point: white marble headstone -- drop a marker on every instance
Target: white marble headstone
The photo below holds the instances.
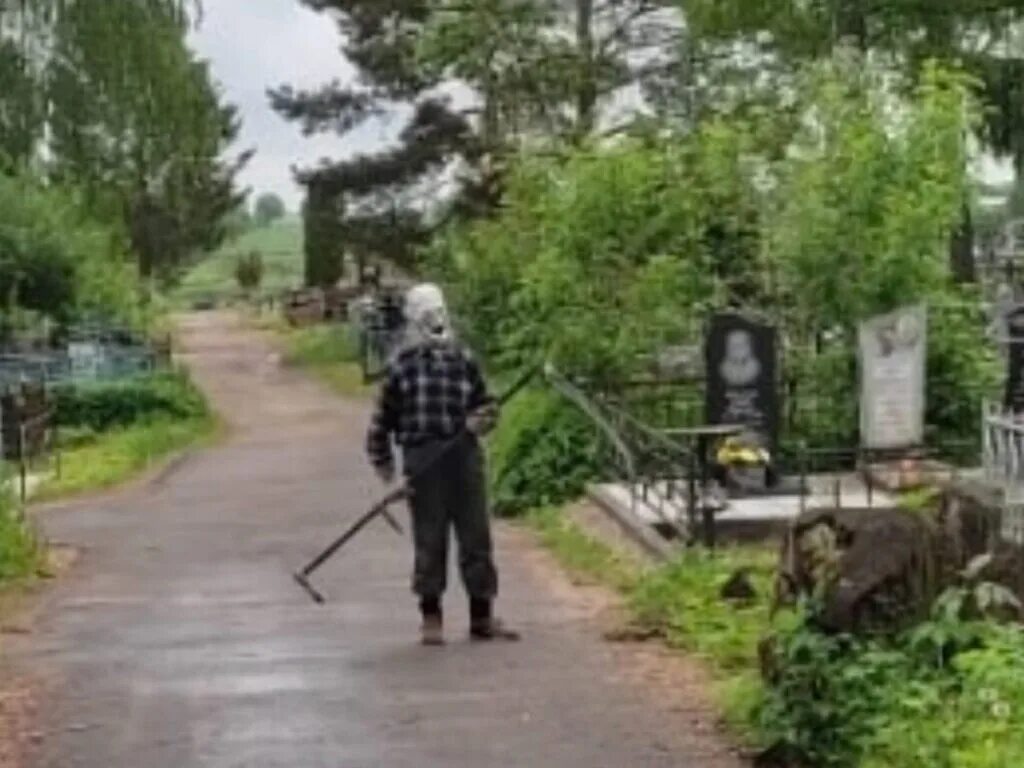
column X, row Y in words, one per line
column 893, row 352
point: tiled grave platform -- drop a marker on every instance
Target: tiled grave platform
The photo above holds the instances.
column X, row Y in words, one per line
column 745, row 520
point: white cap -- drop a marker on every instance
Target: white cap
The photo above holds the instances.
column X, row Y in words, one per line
column 427, row 314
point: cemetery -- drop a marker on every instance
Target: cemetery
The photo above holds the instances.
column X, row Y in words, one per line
column 780, row 381
column 607, row 383
column 688, row 474
column 822, row 430
column 63, row 394
column 714, row 455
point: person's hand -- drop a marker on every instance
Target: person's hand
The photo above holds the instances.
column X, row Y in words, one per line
column 386, row 473
column 482, row 420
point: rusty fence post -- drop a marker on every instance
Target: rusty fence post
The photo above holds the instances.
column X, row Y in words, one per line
column 805, row 478
column 55, row 448
column 22, row 468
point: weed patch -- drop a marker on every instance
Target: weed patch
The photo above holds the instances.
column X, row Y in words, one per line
column 680, row 602
column 329, row 353
column 113, row 431
column 95, row 461
column 20, row 554
column 947, row 694
column 580, row 554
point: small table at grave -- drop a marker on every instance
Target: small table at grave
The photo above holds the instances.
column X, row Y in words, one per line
column 703, row 436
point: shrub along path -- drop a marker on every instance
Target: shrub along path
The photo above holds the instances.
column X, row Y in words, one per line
column 180, row 640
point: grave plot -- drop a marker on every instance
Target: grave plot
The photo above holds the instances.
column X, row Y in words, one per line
column 1002, row 470
column 712, row 445
column 743, row 518
column 33, row 373
column 84, row 353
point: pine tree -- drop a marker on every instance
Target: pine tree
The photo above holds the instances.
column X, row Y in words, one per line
column 534, row 67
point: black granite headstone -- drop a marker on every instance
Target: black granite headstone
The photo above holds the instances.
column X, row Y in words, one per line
column 1015, row 361
column 741, row 365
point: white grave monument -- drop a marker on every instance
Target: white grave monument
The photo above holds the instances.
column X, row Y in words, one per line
column 893, row 351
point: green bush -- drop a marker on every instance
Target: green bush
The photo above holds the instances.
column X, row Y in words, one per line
column 948, row 694
column 19, row 550
column 56, row 260
column 103, row 406
column 543, row 453
column 967, row 715
column 602, row 255
column 963, row 370
column 683, row 600
column 249, row 271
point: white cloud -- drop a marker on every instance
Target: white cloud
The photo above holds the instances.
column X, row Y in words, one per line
column 256, row 44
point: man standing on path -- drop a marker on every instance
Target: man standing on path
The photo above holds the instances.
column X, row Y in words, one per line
column 434, row 393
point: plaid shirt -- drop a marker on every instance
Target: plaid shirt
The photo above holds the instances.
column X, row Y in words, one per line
column 428, row 392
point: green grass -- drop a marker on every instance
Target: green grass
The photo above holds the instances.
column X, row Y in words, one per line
column 581, row 555
column 281, row 244
column 104, row 460
column 680, row 602
column 682, row 599
column 22, row 558
column 327, row 352
column 20, row 554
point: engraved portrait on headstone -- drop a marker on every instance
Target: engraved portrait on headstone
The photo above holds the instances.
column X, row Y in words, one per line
column 893, row 351
column 740, row 357
column 740, row 367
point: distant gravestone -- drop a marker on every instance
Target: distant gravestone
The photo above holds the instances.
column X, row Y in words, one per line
column 893, row 352
column 86, row 358
column 1014, row 399
column 740, row 360
column 1002, row 309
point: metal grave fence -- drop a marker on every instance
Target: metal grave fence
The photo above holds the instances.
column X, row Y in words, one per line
column 1003, row 466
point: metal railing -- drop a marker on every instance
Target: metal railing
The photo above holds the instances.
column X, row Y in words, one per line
column 1003, row 466
column 666, row 470
column 59, row 367
column 1003, row 452
column 657, row 470
column 38, row 439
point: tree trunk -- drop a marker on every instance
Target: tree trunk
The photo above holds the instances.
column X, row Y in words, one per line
column 850, row 24
column 961, row 250
column 586, row 94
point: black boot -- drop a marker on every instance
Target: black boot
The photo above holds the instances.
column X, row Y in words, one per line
column 484, row 626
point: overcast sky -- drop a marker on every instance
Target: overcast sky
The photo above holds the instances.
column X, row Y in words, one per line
column 254, row 44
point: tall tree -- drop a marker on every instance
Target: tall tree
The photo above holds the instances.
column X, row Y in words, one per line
column 23, row 24
column 324, row 243
column 268, row 209
column 21, row 110
column 26, row 36
column 981, row 36
column 532, row 67
column 135, row 121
